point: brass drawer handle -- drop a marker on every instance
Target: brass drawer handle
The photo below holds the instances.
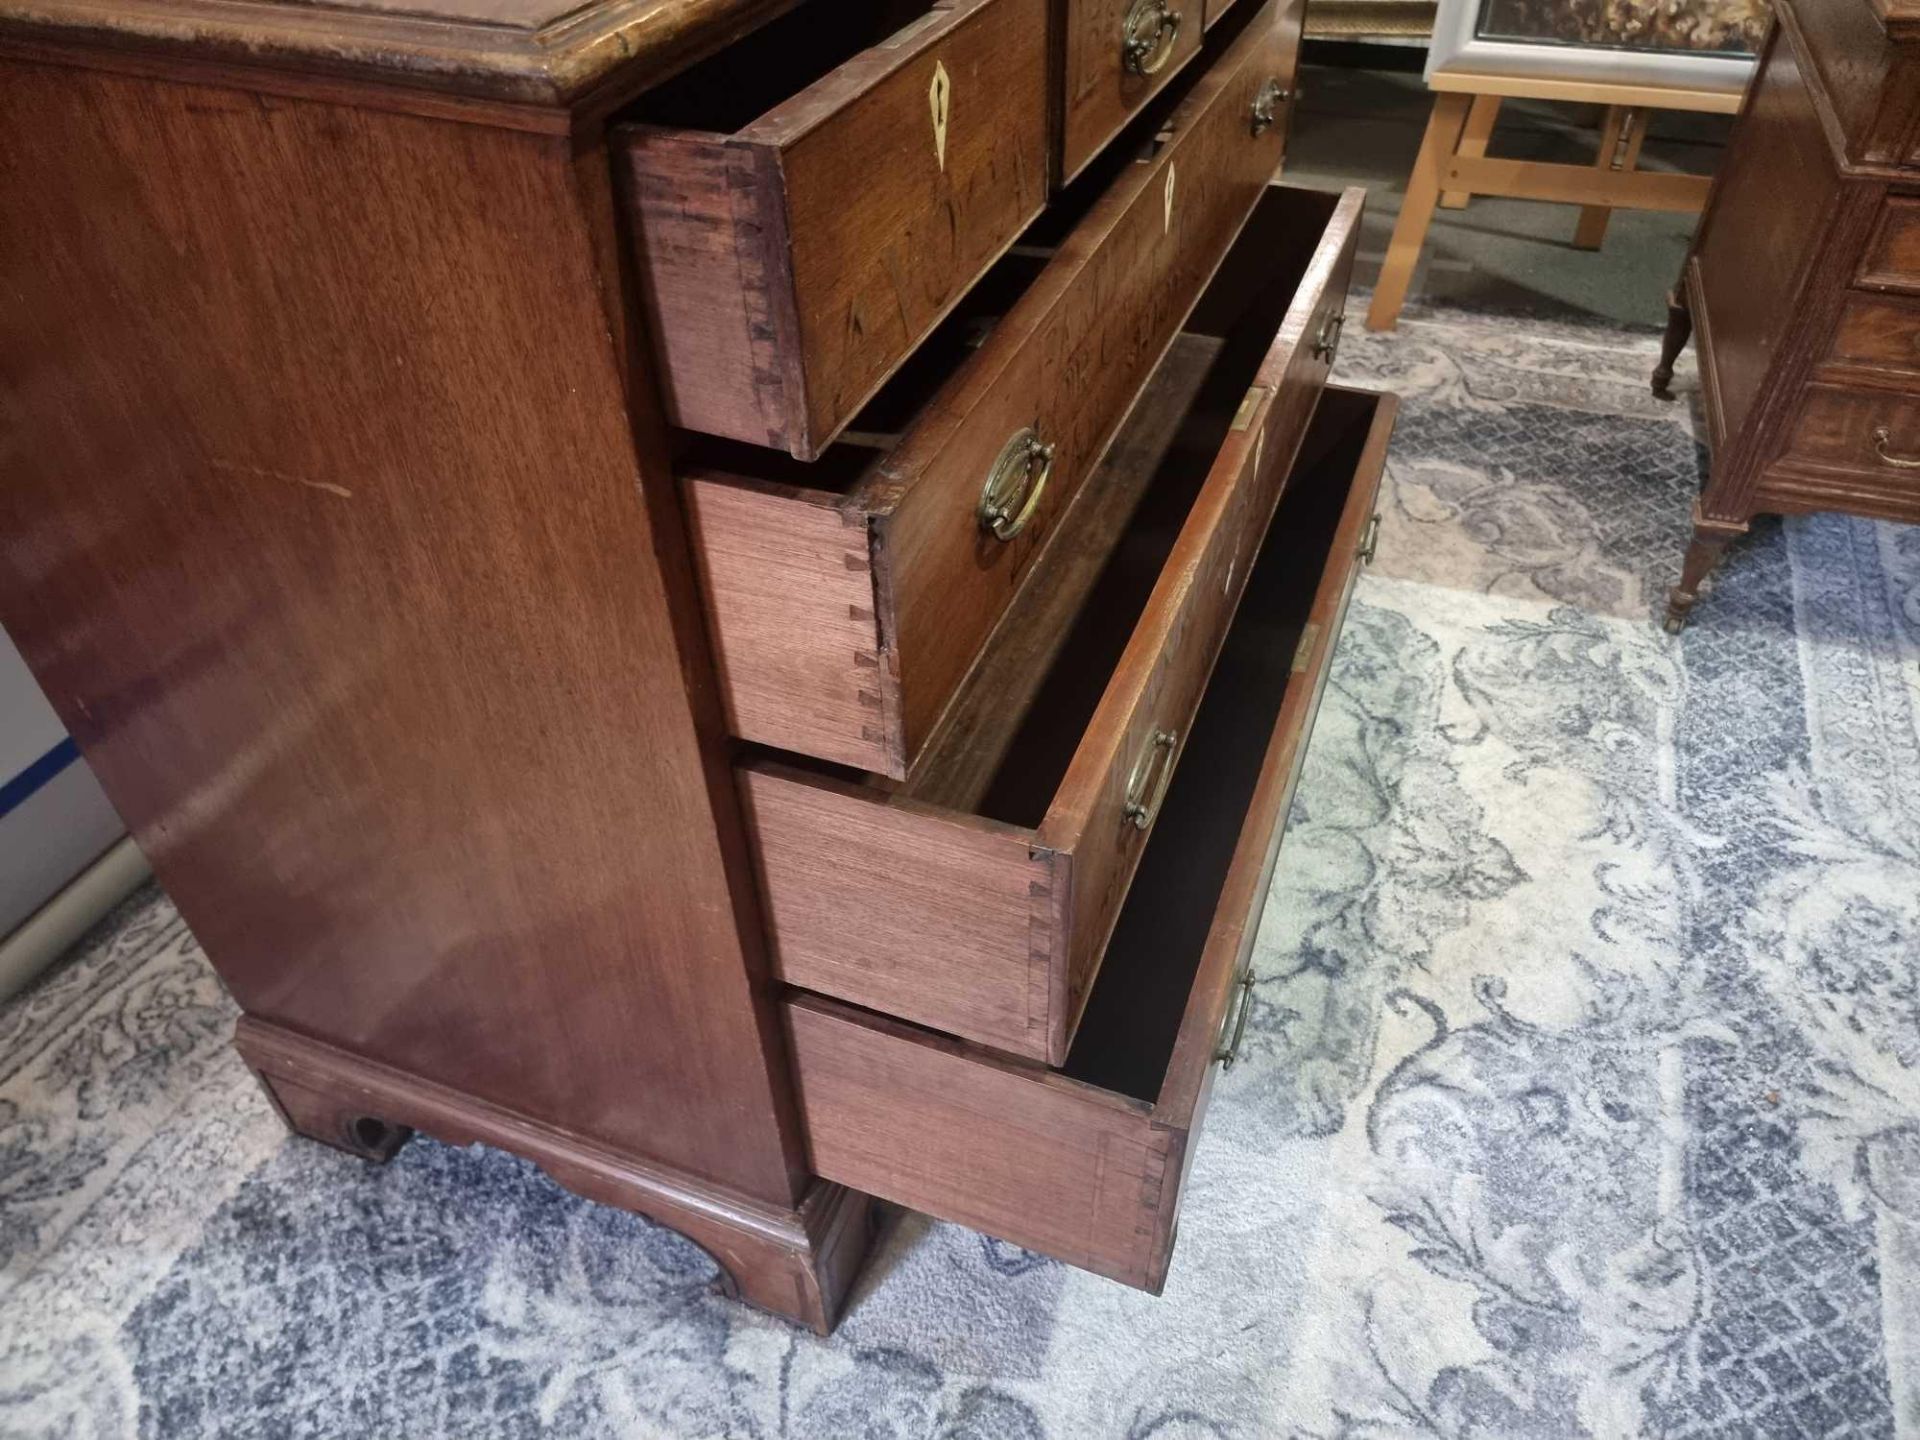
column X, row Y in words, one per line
column 1882, row 438
column 1328, row 340
column 1230, row 1052
column 1267, row 104
column 1370, row 540
column 1147, row 36
column 1014, row 485
column 1147, row 786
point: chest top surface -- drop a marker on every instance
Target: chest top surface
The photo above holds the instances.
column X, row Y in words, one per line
column 535, row 51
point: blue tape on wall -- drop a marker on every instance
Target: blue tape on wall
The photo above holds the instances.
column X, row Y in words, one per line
column 20, row 789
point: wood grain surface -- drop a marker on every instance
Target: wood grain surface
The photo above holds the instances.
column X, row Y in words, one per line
column 794, row 580
column 1067, row 361
column 986, row 916
column 1087, row 1165
column 1098, row 93
column 1866, row 71
column 326, row 534
column 789, row 268
column 1794, row 284
column 928, row 914
column 1771, row 198
column 1892, row 261
column 1840, row 426
column 1160, row 677
column 1878, row 334
column 1068, row 358
column 795, row 1260
column 536, row 53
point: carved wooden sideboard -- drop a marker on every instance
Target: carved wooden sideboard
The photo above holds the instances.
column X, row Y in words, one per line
column 1803, row 283
column 723, row 595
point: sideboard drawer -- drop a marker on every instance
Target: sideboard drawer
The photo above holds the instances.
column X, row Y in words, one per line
column 848, row 598
column 976, row 897
column 1893, row 254
column 1085, row 1162
column 1878, row 333
column 1117, row 54
column 803, row 211
column 1871, row 432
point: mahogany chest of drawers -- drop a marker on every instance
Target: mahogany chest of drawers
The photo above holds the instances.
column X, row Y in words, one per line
column 1803, row 283
column 724, row 595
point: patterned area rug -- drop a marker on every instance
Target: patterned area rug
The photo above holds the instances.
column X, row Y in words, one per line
column 1584, row 1095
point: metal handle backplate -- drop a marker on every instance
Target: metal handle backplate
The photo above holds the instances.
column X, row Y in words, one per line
column 1882, row 443
column 1230, row 1052
column 1147, row 786
column 1147, row 36
column 1014, row 485
column 1328, row 340
column 1370, row 539
column 1267, row 104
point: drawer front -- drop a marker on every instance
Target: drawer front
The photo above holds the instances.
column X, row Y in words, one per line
column 1143, row 721
column 1893, row 254
column 1878, row 333
column 1872, row 432
column 1106, row 76
column 850, row 647
column 1117, row 55
column 1065, row 365
column 1086, row 1162
column 977, row 898
column 787, row 269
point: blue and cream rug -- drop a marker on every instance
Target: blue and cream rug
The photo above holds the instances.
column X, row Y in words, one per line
column 1584, row 1098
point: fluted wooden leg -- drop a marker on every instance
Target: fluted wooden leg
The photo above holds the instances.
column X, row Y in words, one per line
column 1710, row 541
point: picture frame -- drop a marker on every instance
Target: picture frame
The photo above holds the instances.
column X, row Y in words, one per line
column 1540, row 40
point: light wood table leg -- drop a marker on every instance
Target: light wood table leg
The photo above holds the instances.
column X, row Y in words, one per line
column 1437, row 151
column 1473, row 142
column 1624, row 132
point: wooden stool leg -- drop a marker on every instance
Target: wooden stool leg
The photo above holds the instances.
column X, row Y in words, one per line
column 1679, row 331
column 1473, row 143
column 1710, row 540
column 1621, row 137
column 1437, row 150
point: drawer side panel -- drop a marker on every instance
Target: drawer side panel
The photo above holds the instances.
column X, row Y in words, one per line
column 707, row 257
column 1017, row 1154
column 788, row 590
column 941, row 920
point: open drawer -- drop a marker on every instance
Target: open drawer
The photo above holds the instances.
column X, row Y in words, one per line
column 805, row 205
column 1085, row 1162
column 847, row 598
column 976, row 896
column 1117, row 54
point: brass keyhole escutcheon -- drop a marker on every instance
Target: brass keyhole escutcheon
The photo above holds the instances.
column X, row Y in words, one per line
column 1147, row 786
column 939, row 98
column 1014, row 485
column 1147, row 36
column 1267, row 104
